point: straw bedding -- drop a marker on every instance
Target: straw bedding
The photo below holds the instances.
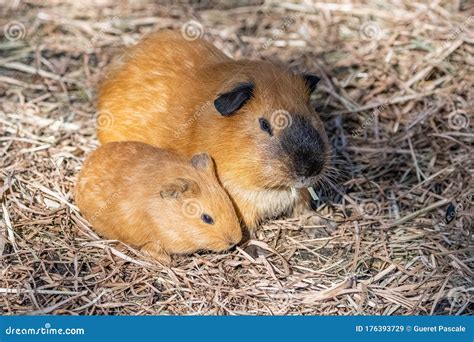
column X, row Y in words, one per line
column 397, row 100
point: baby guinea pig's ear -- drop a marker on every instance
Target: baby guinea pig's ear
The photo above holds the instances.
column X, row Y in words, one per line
column 178, row 188
column 202, row 161
column 311, row 81
column 230, row 102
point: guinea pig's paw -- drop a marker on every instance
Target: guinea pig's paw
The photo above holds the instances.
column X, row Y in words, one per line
column 155, row 251
column 164, row 259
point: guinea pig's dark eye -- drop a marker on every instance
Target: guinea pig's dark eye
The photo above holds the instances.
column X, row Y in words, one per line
column 265, row 126
column 207, row 219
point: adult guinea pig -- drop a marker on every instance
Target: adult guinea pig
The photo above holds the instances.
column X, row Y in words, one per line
column 253, row 117
column 156, row 200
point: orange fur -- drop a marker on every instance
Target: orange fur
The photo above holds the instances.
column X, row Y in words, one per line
column 162, row 93
column 153, row 199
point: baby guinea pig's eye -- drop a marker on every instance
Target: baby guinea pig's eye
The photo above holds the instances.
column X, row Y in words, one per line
column 207, row 219
column 265, row 126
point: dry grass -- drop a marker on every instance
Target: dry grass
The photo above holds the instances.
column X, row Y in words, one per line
column 397, row 97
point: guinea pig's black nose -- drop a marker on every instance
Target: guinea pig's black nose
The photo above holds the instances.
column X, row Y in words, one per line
column 305, row 147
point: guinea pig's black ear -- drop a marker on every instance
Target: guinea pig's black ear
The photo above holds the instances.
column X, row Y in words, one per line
column 177, row 188
column 202, row 161
column 311, row 81
column 230, row 102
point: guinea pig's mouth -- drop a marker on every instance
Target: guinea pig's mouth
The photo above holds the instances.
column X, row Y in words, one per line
column 305, row 182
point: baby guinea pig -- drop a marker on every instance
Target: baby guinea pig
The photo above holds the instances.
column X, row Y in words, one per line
column 253, row 117
column 156, row 200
